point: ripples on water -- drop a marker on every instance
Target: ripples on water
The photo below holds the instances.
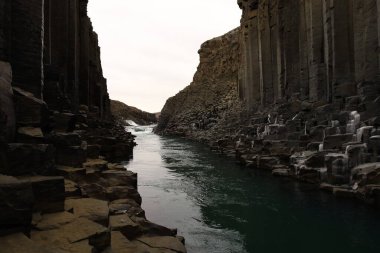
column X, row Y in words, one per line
column 219, row 207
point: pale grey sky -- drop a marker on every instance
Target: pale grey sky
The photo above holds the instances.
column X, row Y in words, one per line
column 149, row 47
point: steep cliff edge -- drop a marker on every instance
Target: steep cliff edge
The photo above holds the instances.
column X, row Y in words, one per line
column 208, row 104
column 125, row 112
column 307, row 78
column 63, row 187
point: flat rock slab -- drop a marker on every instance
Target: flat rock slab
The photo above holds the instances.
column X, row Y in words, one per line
column 79, row 230
column 54, row 221
column 164, row 242
column 92, row 209
column 18, row 243
column 120, row 244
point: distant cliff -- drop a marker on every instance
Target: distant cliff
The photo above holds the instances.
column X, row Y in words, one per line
column 212, row 98
column 126, row 112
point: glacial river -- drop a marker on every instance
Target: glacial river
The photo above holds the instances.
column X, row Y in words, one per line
column 220, row 207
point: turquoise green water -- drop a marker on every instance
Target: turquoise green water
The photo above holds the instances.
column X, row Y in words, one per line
column 219, row 207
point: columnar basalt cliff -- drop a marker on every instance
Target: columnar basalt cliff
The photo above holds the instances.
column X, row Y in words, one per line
column 62, row 186
column 308, row 80
column 211, row 99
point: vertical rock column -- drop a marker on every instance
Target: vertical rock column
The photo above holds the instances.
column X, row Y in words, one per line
column 315, row 50
column 366, row 40
column 343, row 49
column 265, row 54
column 27, row 45
column 84, row 70
column 250, row 67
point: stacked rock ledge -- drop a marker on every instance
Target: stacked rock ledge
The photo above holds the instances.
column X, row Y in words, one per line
column 63, row 185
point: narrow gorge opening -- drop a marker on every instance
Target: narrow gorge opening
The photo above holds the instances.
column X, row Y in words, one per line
column 110, row 143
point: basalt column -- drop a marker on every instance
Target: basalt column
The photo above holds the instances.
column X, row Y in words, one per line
column 26, row 52
column 366, row 40
column 249, row 76
column 343, row 49
column 62, row 53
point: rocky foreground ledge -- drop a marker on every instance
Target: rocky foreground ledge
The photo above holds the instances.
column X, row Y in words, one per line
column 66, row 192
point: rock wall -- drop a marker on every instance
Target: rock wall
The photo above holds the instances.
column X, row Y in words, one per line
column 307, row 75
column 315, row 50
column 61, row 176
column 212, row 96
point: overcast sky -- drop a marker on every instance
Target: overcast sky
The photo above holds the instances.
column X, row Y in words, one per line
column 149, row 47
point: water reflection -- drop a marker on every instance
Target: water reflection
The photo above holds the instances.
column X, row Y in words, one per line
column 219, row 207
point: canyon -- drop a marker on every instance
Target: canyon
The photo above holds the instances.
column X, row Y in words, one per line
column 63, row 186
column 294, row 91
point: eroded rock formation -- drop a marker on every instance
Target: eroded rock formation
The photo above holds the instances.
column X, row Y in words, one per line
column 307, row 75
column 62, row 186
column 212, row 97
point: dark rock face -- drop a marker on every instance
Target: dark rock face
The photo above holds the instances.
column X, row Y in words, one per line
column 56, row 130
column 315, row 50
column 307, row 75
column 125, row 112
column 211, row 100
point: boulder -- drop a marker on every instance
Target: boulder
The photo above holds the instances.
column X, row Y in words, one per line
column 16, row 205
column 92, row 209
column 29, row 159
column 49, row 193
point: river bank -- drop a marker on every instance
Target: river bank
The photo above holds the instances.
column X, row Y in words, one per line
column 218, row 206
column 71, row 188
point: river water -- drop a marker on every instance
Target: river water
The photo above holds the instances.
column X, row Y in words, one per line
column 220, row 207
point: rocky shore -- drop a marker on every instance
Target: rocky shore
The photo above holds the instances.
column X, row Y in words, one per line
column 293, row 91
column 63, row 185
